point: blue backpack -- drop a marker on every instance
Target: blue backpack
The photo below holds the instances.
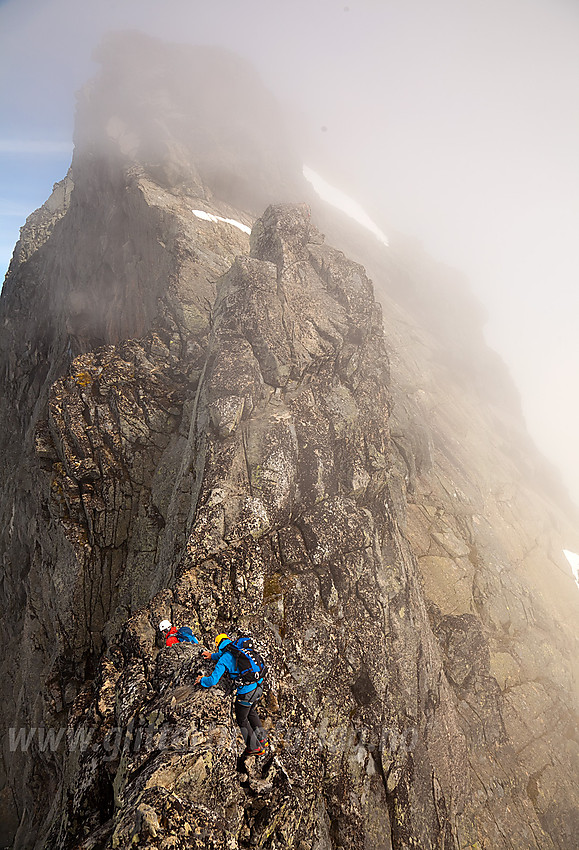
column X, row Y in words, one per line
column 249, row 663
column 185, row 635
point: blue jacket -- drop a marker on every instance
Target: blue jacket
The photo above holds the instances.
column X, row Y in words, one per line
column 226, row 662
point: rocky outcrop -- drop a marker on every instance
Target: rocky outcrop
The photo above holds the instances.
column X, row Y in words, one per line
column 231, row 432
column 293, row 519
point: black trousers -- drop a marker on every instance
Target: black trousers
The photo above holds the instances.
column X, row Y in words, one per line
column 248, row 718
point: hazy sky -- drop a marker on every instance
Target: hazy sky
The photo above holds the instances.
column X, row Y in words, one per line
column 456, row 121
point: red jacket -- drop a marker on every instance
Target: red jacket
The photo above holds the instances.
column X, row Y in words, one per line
column 172, row 637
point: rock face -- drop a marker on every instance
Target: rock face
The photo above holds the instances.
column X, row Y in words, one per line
column 234, row 433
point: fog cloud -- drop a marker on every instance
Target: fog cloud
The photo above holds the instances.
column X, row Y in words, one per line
column 454, row 122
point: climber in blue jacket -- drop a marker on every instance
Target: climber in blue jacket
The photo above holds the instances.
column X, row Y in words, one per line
column 246, row 698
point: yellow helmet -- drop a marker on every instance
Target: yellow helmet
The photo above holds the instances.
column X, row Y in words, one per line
column 219, row 638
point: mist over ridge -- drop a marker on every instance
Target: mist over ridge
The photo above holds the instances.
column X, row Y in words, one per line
column 447, row 122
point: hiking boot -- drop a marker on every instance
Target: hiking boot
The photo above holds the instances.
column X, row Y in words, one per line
column 257, row 751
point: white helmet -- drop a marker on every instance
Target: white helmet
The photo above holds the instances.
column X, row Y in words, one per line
column 164, row 625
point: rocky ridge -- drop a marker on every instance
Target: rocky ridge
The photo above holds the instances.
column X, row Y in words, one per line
column 230, row 432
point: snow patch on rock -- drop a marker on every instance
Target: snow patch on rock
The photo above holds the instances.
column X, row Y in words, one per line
column 343, row 202
column 210, row 217
column 573, row 559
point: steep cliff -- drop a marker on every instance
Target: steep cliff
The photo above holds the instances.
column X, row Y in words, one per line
column 244, row 433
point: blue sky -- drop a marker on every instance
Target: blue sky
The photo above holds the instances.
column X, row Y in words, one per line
column 26, row 181
column 455, row 122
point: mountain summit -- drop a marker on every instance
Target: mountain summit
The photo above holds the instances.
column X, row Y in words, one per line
column 212, row 416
